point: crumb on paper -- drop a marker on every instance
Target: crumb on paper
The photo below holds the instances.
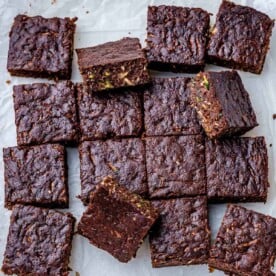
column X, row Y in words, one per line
column 77, row 273
column 274, row 116
column 129, row 33
column 53, row 2
column 270, row 145
column 87, row 12
column 8, row 81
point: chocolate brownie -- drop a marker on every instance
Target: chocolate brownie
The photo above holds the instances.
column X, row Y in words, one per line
column 167, row 110
column 240, row 38
column 36, row 175
column 41, row 47
column 116, row 220
column 223, row 105
column 175, row 166
column 181, row 236
column 113, row 65
column 105, row 115
column 177, row 38
column 237, row 169
column 123, row 159
column 245, row 243
column 45, row 113
column 39, row 242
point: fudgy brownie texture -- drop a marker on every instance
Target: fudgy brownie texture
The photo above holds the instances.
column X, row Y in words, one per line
column 36, row 175
column 109, row 114
column 39, row 242
column 113, row 65
column 41, row 47
column 45, row 113
column 175, row 166
column 237, row 169
column 245, row 244
column 167, row 110
column 181, row 235
column 123, row 159
column 240, row 38
column 223, row 105
column 177, row 38
column 116, row 220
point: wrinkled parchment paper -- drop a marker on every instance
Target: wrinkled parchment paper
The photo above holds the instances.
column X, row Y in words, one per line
column 106, row 20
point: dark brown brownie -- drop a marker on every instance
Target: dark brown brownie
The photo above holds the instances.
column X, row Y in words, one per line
column 245, row 243
column 240, row 38
column 177, row 38
column 237, row 169
column 116, row 220
column 181, row 236
column 123, row 159
column 39, row 242
column 113, row 65
column 36, row 175
column 175, row 166
column 41, row 47
column 45, row 113
column 105, row 115
column 167, row 110
column 222, row 103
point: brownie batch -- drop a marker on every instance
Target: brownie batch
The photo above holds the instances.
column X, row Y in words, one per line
column 153, row 151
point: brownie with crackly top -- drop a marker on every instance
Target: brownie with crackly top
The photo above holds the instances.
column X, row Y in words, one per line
column 41, row 47
column 36, row 176
column 114, row 64
column 167, row 110
column 240, row 38
column 237, row 169
column 181, row 235
column 175, row 166
column 177, row 38
column 45, row 113
column 116, row 220
column 223, row 105
column 123, row 159
column 39, row 242
column 245, row 244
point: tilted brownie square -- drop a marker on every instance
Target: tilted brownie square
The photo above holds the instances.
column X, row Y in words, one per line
column 41, row 47
column 45, row 113
column 245, row 244
column 181, row 236
column 113, row 65
column 39, row 242
column 122, row 159
column 240, row 38
column 36, row 176
column 223, row 105
column 106, row 115
column 167, row 110
column 116, row 220
column 175, row 166
column 177, row 38
column 237, row 169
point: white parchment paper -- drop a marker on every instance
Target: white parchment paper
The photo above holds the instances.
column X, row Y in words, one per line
column 106, row 20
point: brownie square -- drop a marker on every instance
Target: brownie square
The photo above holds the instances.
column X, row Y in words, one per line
column 245, row 244
column 41, row 47
column 177, row 38
column 237, row 169
column 175, row 166
column 223, row 105
column 106, row 115
column 240, row 38
column 36, row 175
column 122, row 159
column 39, row 242
column 181, row 235
column 116, row 220
column 45, row 113
column 114, row 64
column 167, row 110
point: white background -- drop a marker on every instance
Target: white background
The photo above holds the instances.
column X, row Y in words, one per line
column 107, row 20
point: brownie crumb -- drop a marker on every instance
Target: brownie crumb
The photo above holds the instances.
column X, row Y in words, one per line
column 87, row 12
column 274, row 116
column 8, row 81
column 53, row 2
column 270, row 145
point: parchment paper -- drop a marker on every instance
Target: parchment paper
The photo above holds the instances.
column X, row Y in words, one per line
column 106, row 20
